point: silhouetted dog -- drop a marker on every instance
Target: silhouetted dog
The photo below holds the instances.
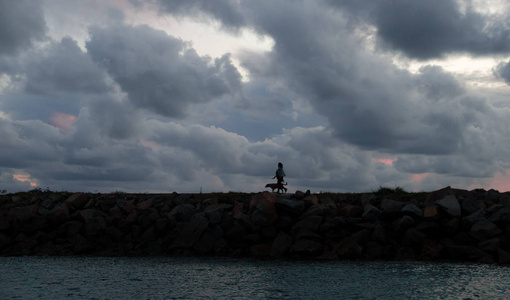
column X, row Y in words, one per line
column 276, row 186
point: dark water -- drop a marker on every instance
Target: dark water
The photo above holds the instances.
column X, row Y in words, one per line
column 220, row 278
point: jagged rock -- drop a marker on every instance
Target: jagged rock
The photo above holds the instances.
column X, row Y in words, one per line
column 281, row 244
column 432, row 197
column 451, row 227
column 59, row 214
column 501, row 216
column 183, row 212
column 490, row 244
column 191, row 232
column 431, row 212
column 349, row 248
column 77, row 201
column 468, row 221
column 81, row 244
column 379, row 233
column 238, row 209
column 503, row 256
column 23, row 213
column 332, row 224
column 265, row 210
column 311, row 223
column 472, row 204
column 311, row 200
column 95, row 227
column 262, row 198
column 403, row 223
column 370, row 212
column 405, row 253
column 293, row 206
column 412, row 210
column 451, row 205
column 318, row 210
column 484, row 229
column 72, row 228
column 307, row 248
column 114, row 233
column 209, row 240
column 367, row 199
column 413, row 236
column 389, row 205
column 259, row 250
column 352, row 211
column 147, row 204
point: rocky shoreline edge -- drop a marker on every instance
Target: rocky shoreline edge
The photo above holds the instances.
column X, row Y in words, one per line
column 444, row 225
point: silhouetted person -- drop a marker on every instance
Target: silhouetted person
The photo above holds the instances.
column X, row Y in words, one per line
column 279, row 175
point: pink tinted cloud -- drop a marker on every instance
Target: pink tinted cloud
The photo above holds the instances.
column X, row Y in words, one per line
column 418, row 177
column 386, row 161
column 25, row 178
column 63, row 122
column 501, row 181
column 149, row 144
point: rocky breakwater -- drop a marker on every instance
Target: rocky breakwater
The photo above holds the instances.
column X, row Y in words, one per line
column 448, row 224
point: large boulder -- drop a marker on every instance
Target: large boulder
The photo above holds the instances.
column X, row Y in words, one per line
column 191, row 232
column 484, row 229
column 472, row 204
column 391, row 206
column 295, row 207
column 412, row 210
column 59, row 214
column 307, row 248
column 451, row 205
column 370, row 213
column 281, row 244
column 77, row 201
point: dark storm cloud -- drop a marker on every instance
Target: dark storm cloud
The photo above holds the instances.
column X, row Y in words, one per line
column 503, row 71
column 21, row 23
column 368, row 101
column 431, row 29
column 226, row 11
column 158, row 72
column 64, row 68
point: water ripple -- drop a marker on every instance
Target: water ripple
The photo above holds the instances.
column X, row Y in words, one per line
column 214, row 278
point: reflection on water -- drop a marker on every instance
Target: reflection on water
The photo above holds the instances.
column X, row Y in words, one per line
column 227, row 278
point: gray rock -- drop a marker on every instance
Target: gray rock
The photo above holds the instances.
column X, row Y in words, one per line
column 293, row 206
column 501, row 216
column 402, row 224
column 77, row 200
column 472, row 204
column 451, row 205
column 370, row 212
column 307, row 248
column 388, row 205
column 412, row 210
column 281, row 244
column 311, row 223
column 468, row 221
column 484, row 229
column 192, row 232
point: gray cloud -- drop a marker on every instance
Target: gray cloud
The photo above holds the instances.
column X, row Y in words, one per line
column 21, row 23
column 160, row 73
column 432, row 29
column 226, row 11
column 65, row 69
column 502, row 70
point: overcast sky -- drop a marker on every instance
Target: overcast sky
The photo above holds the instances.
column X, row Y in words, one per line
column 209, row 95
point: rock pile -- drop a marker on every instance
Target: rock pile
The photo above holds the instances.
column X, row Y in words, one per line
column 448, row 224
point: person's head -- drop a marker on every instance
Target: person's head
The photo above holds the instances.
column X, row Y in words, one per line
column 280, row 165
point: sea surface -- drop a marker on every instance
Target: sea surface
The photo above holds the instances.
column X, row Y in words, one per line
column 229, row 278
